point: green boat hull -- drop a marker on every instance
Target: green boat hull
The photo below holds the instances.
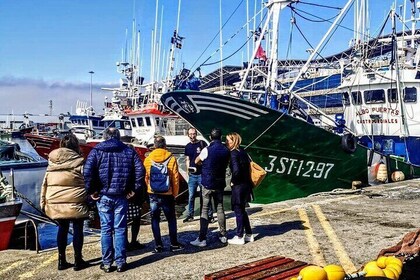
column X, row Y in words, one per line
column 300, row 158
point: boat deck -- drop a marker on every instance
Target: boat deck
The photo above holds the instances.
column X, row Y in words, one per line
column 347, row 228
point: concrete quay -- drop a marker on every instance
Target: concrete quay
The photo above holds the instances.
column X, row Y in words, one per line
column 347, row 228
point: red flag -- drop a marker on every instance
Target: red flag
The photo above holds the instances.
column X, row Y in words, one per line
column 261, row 54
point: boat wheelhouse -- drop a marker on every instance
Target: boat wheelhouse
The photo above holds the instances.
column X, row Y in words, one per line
column 85, row 124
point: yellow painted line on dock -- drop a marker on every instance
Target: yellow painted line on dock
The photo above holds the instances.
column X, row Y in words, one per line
column 32, row 273
column 314, row 249
column 304, row 205
column 341, row 253
column 12, row 266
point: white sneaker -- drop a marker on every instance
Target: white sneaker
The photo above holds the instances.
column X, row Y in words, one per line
column 223, row 239
column 249, row 237
column 236, row 240
column 199, row 243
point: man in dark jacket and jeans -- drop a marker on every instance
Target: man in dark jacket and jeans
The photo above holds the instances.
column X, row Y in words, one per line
column 113, row 173
column 214, row 160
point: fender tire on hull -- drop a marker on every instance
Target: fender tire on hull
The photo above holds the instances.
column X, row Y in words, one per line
column 349, row 143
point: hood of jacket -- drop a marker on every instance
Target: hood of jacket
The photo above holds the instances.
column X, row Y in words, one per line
column 62, row 158
column 159, row 155
column 111, row 145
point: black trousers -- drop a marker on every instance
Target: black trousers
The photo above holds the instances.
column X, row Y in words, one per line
column 63, row 230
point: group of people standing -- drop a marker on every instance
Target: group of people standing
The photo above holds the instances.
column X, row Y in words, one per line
column 212, row 162
column 113, row 175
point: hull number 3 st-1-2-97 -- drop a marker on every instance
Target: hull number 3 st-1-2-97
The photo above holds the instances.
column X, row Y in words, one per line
column 292, row 166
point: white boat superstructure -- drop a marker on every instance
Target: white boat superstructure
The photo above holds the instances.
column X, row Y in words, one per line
column 380, row 95
column 85, row 123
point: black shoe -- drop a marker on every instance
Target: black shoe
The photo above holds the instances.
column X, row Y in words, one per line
column 80, row 264
column 188, row 219
column 158, row 249
column 122, row 267
column 177, row 247
column 105, row 268
column 64, row 265
column 135, row 246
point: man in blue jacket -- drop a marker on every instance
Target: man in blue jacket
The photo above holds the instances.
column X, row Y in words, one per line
column 214, row 160
column 113, row 173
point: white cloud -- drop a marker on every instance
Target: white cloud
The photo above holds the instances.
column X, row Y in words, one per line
column 20, row 95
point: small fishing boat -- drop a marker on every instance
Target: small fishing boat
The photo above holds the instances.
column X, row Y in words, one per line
column 9, row 211
column 43, row 145
column 10, row 207
column 24, row 169
column 85, row 123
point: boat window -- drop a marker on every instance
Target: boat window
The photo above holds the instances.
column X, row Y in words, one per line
column 118, row 124
column 133, row 122
column 157, row 121
column 127, row 125
column 140, row 121
column 346, row 98
column 148, row 122
column 357, row 97
column 392, row 95
column 374, row 96
column 410, row 94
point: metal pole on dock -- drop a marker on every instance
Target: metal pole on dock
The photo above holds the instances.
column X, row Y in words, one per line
column 12, row 183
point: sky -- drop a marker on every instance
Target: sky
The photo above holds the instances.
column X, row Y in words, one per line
column 48, row 47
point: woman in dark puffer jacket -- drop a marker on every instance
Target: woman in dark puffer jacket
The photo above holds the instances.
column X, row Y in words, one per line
column 241, row 188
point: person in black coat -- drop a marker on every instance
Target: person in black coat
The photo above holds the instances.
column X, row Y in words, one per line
column 241, row 188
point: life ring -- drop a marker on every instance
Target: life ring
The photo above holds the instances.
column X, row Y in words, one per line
column 349, row 143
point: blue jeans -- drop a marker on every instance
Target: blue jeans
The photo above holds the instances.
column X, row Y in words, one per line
column 167, row 204
column 113, row 215
column 194, row 181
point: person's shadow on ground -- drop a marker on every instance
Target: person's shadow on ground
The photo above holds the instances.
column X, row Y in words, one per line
column 213, row 242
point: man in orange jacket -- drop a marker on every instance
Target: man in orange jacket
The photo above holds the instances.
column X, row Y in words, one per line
column 162, row 179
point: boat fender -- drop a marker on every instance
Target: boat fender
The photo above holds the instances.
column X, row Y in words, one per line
column 382, row 175
column 397, row 176
column 349, row 143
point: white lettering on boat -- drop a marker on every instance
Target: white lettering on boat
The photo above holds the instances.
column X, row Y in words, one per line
column 296, row 167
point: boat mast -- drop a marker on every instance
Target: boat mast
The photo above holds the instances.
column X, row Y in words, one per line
column 174, row 41
column 221, row 45
column 160, row 44
column 153, row 60
column 273, row 57
column 257, row 44
column 304, row 68
column 404, row 128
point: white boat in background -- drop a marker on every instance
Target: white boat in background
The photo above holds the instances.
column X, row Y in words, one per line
column 85, row 123
column 381, row 104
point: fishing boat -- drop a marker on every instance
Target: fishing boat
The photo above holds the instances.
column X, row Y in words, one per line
column 300, row 158
column 135, row 107
column 85, row 123
column 381, row 100
column 9, row 210
column 24, row 169
column 43, row 145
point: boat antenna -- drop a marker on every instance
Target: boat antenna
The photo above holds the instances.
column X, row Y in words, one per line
column 221, row 44
column 176, row 42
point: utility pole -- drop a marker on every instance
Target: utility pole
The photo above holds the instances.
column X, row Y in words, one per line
column 91, row 74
